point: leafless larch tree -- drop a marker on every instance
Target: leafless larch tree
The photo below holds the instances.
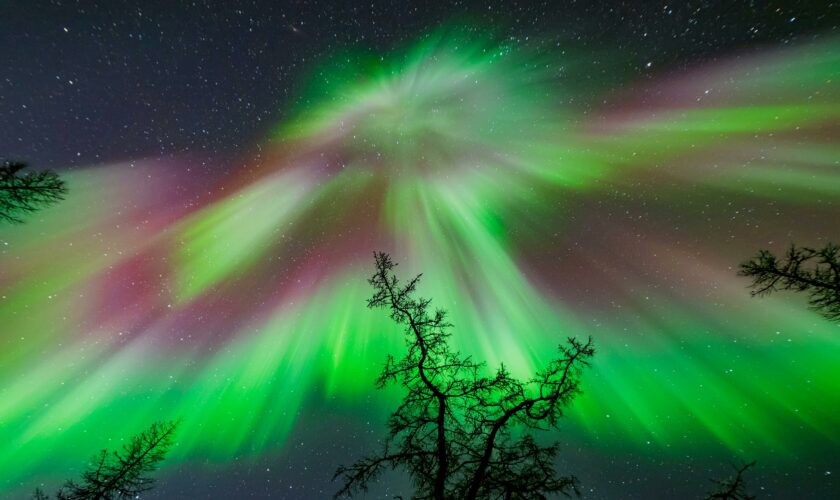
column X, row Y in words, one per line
column 462, row 431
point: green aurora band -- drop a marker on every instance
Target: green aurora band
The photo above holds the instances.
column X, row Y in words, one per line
column 533, row 213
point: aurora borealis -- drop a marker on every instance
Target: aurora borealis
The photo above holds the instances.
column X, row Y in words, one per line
column 536, row 206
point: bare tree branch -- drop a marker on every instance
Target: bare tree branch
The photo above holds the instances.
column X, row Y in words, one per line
column 732, row 488
column 459, row 433
column 21, row 194
column 121, row 474
column 802, row 269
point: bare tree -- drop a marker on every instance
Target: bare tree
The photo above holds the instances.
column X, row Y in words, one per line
column 802, row 269
column 21, row 194
column 121, row 474
column 458, row 433
column 732, row 488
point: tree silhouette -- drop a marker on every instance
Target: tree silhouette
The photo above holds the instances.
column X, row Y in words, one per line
column 732, row 488
column 21, row 194
column 457, row 433
column 121, row 474
column 802, row 269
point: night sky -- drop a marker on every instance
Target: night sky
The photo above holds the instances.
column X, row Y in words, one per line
column 553, row 168
column 93, row 82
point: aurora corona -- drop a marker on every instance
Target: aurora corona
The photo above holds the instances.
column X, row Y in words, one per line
column 237, row 303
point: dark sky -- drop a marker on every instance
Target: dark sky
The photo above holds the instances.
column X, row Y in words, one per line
column 93, row 82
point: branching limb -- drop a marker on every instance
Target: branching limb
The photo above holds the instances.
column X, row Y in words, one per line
column 802, row 269
column 21, row 194
column 732, row 488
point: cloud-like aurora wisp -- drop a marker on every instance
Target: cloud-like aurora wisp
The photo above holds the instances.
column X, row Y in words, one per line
column 532, row 218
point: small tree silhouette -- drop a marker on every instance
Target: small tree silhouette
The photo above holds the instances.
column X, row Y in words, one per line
column 802, row 269
column 122, row 474
column 26, row 193
column 732, row 488
column 457, row 433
